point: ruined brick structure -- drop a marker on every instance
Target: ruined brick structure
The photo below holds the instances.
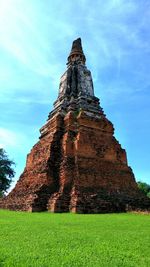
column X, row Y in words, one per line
column 77, row 164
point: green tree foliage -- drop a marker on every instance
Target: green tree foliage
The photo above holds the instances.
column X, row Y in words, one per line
column 144, row 187
column 6, row 172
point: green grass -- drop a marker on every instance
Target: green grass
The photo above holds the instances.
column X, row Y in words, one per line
column 56, row 240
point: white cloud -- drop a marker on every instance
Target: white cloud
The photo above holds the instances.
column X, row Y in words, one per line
column 11, row 139
column 7, row 138
column 37, row 35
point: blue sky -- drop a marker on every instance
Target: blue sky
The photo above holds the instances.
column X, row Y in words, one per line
column 35, row 39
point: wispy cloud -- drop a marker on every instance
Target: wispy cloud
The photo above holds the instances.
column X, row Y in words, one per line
column 36, row 35
column 9, row 138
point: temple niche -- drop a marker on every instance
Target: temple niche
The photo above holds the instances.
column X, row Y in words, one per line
column 77, row 165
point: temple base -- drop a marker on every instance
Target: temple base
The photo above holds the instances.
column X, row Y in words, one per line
column 77, row 166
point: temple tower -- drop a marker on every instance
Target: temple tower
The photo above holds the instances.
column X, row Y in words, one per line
column 77, row 165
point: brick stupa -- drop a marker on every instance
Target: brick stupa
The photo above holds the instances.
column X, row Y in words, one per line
column 77, row 164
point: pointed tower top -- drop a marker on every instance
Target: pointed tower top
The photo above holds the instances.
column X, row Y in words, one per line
column 76, row 54
column 76, row 46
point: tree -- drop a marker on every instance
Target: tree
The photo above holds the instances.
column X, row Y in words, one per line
column 6, row 172
column 144, row 187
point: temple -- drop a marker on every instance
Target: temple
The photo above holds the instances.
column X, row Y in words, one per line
column 77, row 165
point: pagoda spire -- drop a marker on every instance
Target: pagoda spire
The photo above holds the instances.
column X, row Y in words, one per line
column 76, row 89
column 76, row 54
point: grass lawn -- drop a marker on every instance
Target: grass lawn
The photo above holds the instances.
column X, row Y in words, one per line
column 55, row 240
